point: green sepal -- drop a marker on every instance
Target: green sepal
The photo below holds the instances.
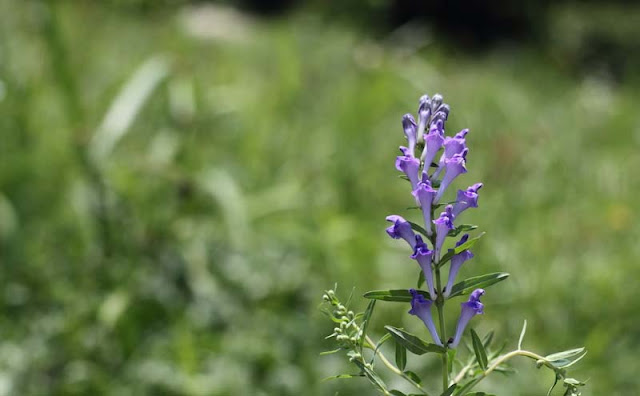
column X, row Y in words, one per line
column 478, row 348
column 413, row 343
column 470, row 284
column 395, row 295
column 566, row 358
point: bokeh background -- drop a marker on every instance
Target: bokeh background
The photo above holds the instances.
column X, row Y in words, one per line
column 181, row 180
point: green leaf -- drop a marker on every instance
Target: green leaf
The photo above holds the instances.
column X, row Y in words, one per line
column 478, row 348
column 340, row 376
column 486, row 340
column 479, row 394
column 468, row 386
column 449, row 390
column 397, row 393
column 451, row 354
column 470, row 284
column 573, row 382
column 461, row 228
column 365, row 322
column 381, row 341
column 396, row 295
column 330, row 352
column 418, row 228
column 566, row 358
column 414, row 377
column 452, row 252
column 372, row 376
column 412, row 343
column 401, row 356
column 522, row 333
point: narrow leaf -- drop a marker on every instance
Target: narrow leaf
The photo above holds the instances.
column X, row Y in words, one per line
column 522, row 333
column 564, row 354
column 452, row 252
column 412, row 343
column 470, row 284
column 419, row 228
column 461, row 228
column 478, row 348
column 330, row 352
column 414, row 377
column 467, row 386
column 340, row 376
column 395, row 295
column 365, row 321
column 401, row 356
column 397, row 393
column 449, row 390
column 486, row 341
column 372, row 376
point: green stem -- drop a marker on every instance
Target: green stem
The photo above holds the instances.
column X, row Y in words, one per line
column 391, row 367
column 501, row 359
column 440, row 306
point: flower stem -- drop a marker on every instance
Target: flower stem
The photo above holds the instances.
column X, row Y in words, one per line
column 440, row 306
column 391, row 367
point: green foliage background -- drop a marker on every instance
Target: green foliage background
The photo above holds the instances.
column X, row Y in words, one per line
column 190, row 259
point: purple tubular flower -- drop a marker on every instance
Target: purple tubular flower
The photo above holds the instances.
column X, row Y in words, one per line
column 456, row 263
column 401, row 229
column 424, row 194
column 424, row 256
column 466, row 199
column 421, row 307
column 424, row 112
column 409, row 126
column 470, row 309
column 453, row 167
column 455, row 145
column 443, row 225
column 433, row 142
column 410, row 165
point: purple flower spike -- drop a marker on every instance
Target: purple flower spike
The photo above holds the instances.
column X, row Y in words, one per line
column 401, row 229
column 424, row 256
column 456, row 263
column 424, row 194
column 470, row 309
column 424, row 112
column 409, row 125
column 433, row 142
column 443, row 225
column 410, row 165
column 421, row 307
column 466, row 199
column 453, row 167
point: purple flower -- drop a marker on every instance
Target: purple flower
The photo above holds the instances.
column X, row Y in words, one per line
column 401, row 229
column 456, row 263
column 453, row 167
column 444, row 224
column 424, row 112
column 436, row 102
column 408, row 164
column 424, row 194
column 424, row 256
column 433, row 142
column 455, row 145
column 421, row 307
column 409, row 125
column 470, row 309
column 442, row 114
column 466, row 199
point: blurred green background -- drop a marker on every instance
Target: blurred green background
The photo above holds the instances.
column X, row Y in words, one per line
column 180, row 181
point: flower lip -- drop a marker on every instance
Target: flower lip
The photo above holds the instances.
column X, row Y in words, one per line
column 401, row 228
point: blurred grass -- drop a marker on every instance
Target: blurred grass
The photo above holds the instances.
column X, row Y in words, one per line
column 259, row 172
